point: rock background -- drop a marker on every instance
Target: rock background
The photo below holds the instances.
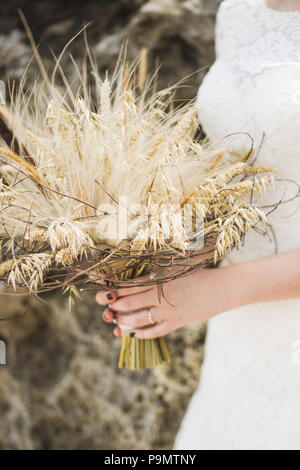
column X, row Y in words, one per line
column 61, row 388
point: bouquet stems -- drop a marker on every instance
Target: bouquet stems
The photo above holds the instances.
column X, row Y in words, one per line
column 138, row 353
column 143, row 353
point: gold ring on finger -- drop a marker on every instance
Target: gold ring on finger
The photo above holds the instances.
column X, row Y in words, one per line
column 150, row 317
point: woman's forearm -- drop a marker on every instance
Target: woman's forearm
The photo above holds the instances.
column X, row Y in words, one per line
column 272, row 278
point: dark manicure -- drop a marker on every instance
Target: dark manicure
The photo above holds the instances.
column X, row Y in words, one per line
column 132, row 334
column 109, row 296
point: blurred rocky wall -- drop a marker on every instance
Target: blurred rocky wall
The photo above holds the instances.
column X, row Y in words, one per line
column 60, row 388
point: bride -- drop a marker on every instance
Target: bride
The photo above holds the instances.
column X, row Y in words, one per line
column 248, row 397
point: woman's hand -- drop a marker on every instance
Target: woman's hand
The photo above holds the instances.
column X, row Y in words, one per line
column 194, row 298
column 203, row 294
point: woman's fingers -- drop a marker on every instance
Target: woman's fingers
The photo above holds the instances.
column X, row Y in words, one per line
column 152, row 332
column 135, row 302
column 108, row 296
column 138, row 319
column 132, row 290
column 108, row 315
column 117, row 332
column 136, row 282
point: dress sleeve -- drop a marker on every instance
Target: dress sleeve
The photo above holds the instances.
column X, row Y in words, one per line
column 229, row 22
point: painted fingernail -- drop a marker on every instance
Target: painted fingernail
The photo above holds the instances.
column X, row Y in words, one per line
column 132, row 334
column 109, row 296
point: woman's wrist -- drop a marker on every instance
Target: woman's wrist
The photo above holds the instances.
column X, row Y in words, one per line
column 266, row 279
column 245, row 278
column 230, row 288
column 238, row 285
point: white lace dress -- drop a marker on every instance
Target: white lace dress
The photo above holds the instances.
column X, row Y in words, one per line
column 249, row 392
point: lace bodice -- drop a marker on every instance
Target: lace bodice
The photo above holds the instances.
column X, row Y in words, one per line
column 248, row 397
column 254, row 86
column 258, row 37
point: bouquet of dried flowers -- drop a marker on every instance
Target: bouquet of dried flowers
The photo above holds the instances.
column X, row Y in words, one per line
column 116, row 185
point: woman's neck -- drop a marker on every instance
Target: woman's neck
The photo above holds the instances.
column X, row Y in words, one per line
column 284, row 5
